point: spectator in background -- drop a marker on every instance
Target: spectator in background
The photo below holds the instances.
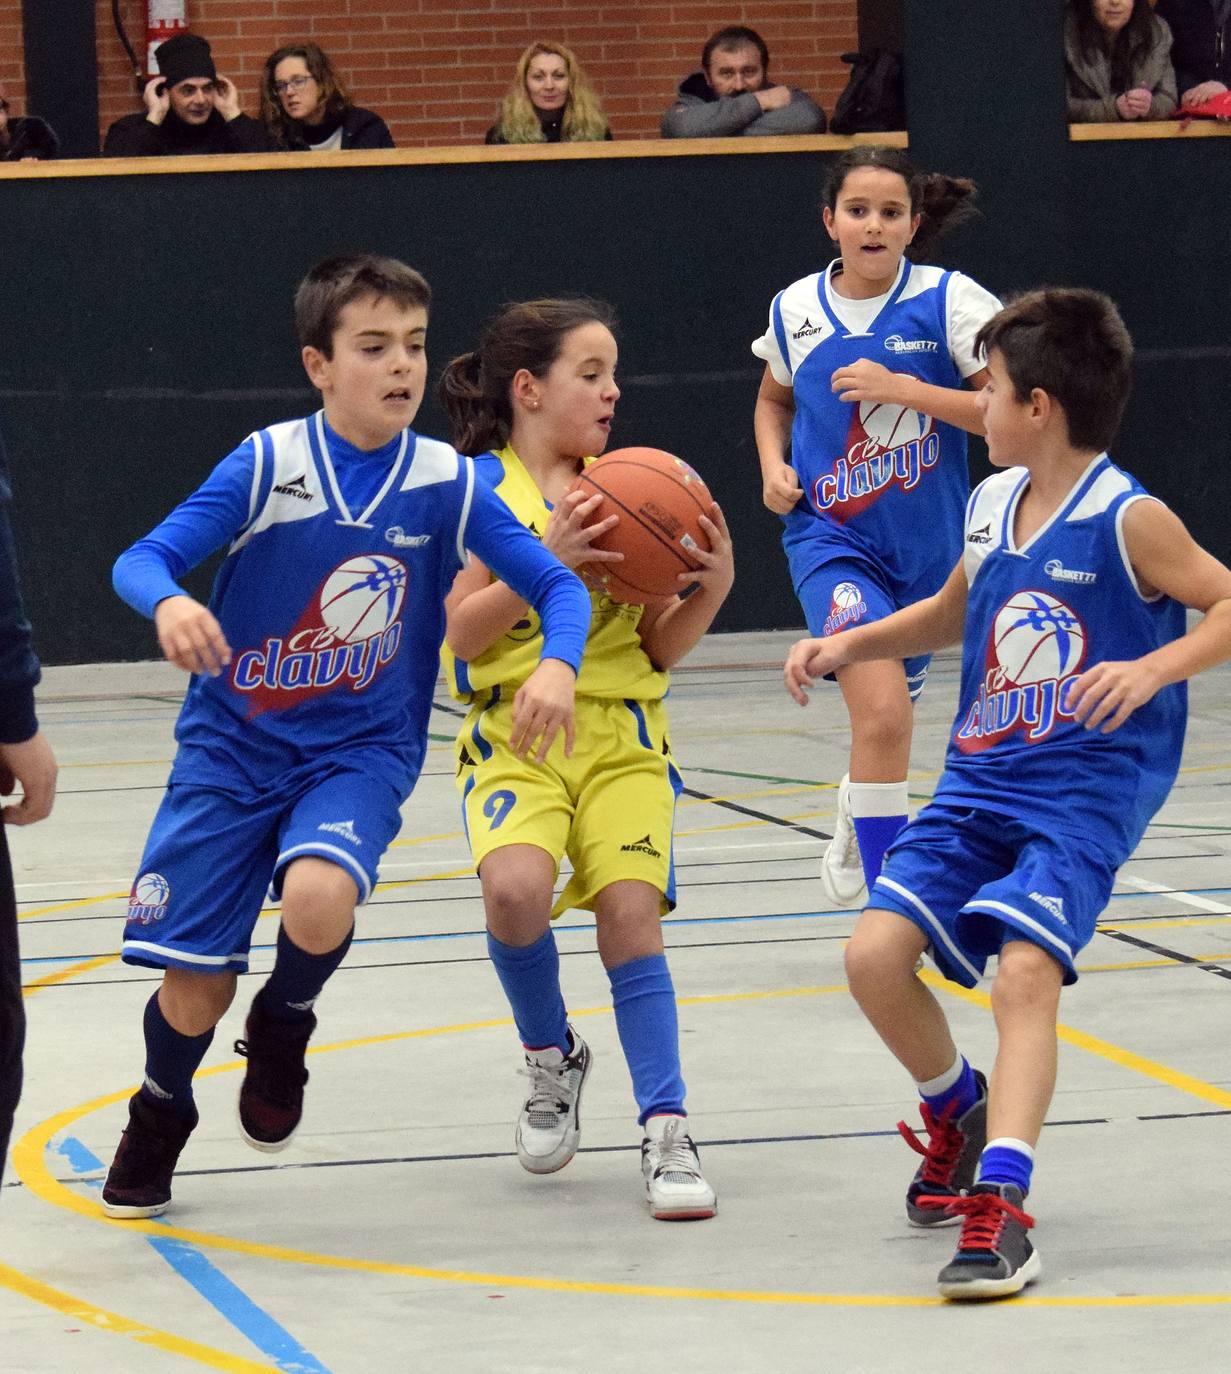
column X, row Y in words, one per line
column 732, row 94
column 550, row 101
column 25, row 758
column 306, row 107
column 1200, row 48
column 25, row 138
column 189, row 109
column 1118, row 62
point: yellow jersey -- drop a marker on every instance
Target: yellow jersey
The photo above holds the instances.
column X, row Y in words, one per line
column 615, row 663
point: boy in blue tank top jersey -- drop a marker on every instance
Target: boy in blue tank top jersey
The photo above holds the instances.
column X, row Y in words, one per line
column 1071, row 591
column 305, row 723
column 867, row 369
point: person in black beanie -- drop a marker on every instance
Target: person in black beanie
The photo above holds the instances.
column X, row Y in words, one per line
column 25, row 758
column 25, row 138
column 189, row 109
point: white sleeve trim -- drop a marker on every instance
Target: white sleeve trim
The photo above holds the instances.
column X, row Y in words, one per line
column 1129, row 570
column 968, row 309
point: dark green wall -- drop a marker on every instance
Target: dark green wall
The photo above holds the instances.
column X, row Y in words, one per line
column 146, row 319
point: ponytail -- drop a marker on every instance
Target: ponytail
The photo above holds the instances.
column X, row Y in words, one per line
column 480, row 421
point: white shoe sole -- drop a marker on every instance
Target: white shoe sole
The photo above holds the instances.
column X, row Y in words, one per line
column 981, row 1289
column 123, row 1212
column 695, row 1211
column 266, row 1147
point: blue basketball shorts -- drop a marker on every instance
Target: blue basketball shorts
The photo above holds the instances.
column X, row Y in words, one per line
column 970, row 880
column 211, row 859
column 845, row 592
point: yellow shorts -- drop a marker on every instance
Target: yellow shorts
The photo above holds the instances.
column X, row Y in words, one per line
column 610, row 807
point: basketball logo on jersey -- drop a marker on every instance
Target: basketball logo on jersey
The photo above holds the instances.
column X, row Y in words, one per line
column 1035, row 652
column 846, row 605
column 348, row 634
column 147, row 902
column 886, row 446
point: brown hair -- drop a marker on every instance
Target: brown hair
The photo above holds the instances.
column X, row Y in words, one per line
column 942, row 201
column 1071, row 343
column 474, row 389
column 333, row 90
column 332, row 284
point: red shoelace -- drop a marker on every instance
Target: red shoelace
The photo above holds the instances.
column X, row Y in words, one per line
column 985, row 1215
column 944, row 1145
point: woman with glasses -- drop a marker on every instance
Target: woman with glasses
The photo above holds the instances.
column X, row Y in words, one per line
column 306, row 107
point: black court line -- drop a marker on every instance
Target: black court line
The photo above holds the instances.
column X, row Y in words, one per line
column 1163, row 952
column 480, row 1155
column 757, row 815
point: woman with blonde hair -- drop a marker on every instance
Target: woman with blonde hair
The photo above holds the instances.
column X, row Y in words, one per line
column 550, row 101
column 307, row 108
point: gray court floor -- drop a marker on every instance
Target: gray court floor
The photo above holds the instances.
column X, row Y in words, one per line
column 398, row 1232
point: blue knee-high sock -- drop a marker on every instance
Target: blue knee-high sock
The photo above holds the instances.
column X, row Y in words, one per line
column 649, row 1029
column 879, row 811
column 297, row 977
column 1006, row 1160
column 171, row 1059
column 530, row 977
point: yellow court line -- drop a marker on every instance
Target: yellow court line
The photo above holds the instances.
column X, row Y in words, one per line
column 1115, row 1054
column 78, row 1310
column 49, row 980
column 1163, row 923
column 71, row 906
column 30, row 1163
column 427, row 839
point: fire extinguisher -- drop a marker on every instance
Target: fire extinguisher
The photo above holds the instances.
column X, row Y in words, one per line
column 164, row 20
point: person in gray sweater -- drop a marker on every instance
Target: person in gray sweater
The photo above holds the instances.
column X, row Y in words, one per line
column 733, row 95
column 1117, row 62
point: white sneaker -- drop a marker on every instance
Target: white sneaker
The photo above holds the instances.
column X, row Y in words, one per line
column 674, row 1185
column 841, row 867
column 549, row 1125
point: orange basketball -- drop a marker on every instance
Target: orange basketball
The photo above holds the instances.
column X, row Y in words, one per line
column 659, row 500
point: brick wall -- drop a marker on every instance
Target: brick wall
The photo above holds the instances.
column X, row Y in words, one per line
column 12, row 75
column 436, row 69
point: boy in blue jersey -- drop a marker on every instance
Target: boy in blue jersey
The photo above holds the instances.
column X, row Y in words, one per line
column 1068, row 736
column 305, row 723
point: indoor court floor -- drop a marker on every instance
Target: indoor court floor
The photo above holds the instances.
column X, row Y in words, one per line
column 397, row 1233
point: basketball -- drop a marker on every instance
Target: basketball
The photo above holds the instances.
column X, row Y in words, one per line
column 659, row 500
column 1037, row 637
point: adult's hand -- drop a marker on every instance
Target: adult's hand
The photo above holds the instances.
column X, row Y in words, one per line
column 157, row 101
column 32, row 765
column 773, row 97
column 226, row 98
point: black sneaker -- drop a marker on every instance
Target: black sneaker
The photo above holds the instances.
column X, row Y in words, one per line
column 139, row 1180
column 950, row 1158
column 271, row 1095
column 994, row 1256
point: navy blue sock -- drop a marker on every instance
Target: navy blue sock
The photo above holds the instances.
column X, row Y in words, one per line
column 297, row 977
column 1007, row 1161
column 959, row 1095
column 171, row 1059
column 644, row 1000
column 530, row 977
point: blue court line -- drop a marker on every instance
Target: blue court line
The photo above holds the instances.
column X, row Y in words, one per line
column 232, row 1303
column 667, row 921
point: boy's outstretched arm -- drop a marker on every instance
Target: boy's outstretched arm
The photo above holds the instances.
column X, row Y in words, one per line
column 932, row 623
column 1166, row 559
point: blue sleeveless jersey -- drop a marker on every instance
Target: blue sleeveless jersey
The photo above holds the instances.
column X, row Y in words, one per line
column 1037, row 617
column 880, row 482
column 333, row 611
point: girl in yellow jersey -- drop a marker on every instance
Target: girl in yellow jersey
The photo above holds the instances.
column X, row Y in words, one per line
column 534, row 403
